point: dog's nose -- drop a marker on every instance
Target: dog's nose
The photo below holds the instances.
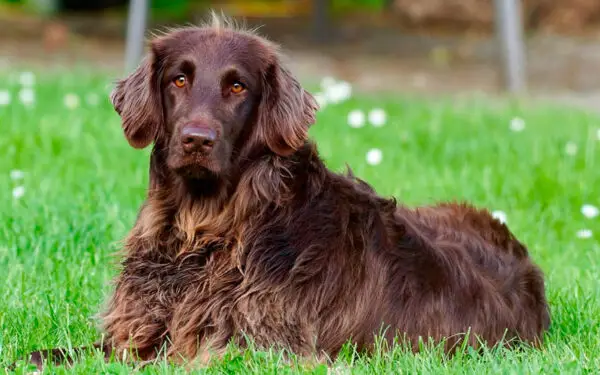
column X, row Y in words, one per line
column 197, row 138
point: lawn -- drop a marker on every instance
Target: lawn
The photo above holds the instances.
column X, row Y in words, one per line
column 71, row 187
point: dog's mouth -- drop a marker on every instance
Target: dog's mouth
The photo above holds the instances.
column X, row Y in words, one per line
column 196, row 172
column 195, row 166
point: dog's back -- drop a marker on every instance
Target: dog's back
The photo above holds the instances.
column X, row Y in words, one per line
column 470, row 274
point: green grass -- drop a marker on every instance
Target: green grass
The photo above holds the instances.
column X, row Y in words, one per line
column 83, row 186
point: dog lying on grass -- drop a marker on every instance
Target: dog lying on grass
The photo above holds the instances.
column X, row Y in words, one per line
column 246, row 233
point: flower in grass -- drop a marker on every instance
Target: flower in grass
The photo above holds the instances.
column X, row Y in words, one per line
column 571, row 148
column 377, row 117
column 374, row 156
column 335, row 91
column 344, row 90
column 500, row 216
column 338, row 92
column 71, row 101
column 584, row 233
column 598, row 134
column 4, row 97
column 16, row 174
column 589, row 211
column 356, row 118
column 27, row 79
column 18, row 192
column 27, row 96
column 517, row 124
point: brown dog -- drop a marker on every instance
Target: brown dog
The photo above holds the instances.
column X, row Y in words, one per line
column 246, row 233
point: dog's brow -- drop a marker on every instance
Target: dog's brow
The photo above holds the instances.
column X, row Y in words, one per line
column 233, row 71
column 186, row 65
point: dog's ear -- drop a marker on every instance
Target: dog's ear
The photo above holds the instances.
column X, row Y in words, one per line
column 137, row 99
column 286, row 110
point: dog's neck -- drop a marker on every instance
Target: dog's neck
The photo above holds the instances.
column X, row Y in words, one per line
column 210, row 211
column 199, row 210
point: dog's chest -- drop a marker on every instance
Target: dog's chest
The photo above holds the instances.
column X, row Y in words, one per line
column 190, row 278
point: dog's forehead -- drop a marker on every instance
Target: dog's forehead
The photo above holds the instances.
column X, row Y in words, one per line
column 217, row 47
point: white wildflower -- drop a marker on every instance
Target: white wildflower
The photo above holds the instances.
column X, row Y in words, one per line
column 500, row 216
column 571, row 148
column 374, row 156
column 339, row 92
column 517, row 124
column 344, row 89
column 377, row 117
column 16, row 174
column 584, row 233
column 18, row 192
column 71, row 101
column 356, row 118
column 4, row 97
column 27, row 79
column 590, row 211
column 27, row 96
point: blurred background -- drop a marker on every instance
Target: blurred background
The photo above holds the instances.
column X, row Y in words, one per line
column 427, row 46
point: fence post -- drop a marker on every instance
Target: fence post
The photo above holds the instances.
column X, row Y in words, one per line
column 321, row 20
column 137, row 19
column 509, row 33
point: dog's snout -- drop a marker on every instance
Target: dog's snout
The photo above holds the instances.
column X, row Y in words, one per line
column 197, row 138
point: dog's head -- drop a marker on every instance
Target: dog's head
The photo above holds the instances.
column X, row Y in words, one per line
column 207, row 95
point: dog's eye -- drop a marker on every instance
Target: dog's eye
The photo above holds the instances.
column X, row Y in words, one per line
column 237, row 87
column 179, row 81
